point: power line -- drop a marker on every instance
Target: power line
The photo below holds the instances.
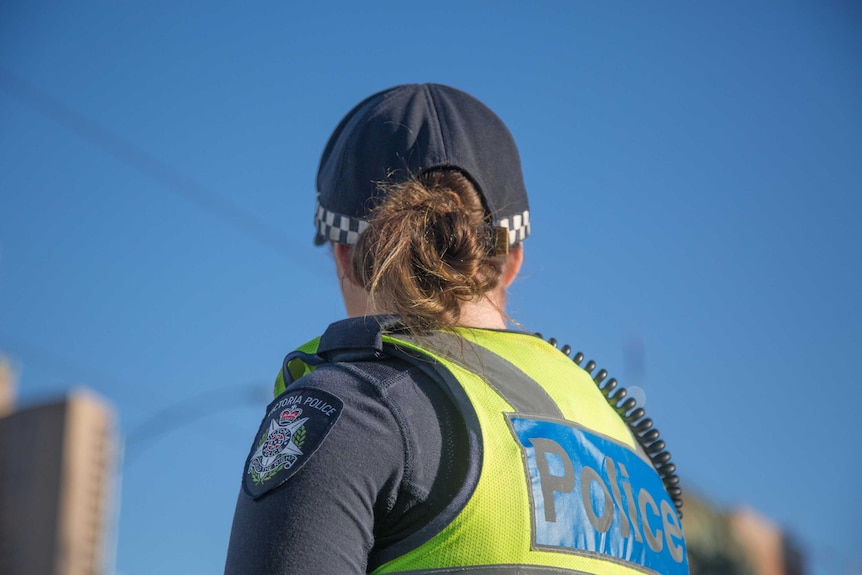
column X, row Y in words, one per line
column 192, row 409
column 173, row 179
column 73, row 369
column 188, row 410
column 166, row 420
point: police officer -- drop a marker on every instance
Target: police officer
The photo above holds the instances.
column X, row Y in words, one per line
column 420, row 435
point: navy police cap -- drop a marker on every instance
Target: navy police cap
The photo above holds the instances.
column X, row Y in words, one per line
column 403, row 131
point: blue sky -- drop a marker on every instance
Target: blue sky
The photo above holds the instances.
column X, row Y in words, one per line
column 694, row 173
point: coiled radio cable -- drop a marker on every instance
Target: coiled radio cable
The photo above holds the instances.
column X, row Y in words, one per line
column 641, row 426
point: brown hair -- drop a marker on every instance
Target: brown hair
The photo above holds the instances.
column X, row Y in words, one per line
column 429, row 248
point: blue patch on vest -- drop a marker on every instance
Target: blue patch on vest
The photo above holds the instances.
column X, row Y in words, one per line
column 592, row 495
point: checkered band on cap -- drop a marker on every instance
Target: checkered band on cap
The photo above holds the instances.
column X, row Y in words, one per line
column 332, row 226
column 518, row 226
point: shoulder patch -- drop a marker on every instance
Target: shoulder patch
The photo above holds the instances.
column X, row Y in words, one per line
column 294, row 427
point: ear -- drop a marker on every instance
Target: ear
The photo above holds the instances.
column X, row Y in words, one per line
column 514, row 260
column 356, row 299
column 343, row 260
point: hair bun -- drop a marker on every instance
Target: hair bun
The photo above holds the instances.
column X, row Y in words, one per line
column 428, row 249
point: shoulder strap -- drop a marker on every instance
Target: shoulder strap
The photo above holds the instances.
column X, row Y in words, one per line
column 349, row 340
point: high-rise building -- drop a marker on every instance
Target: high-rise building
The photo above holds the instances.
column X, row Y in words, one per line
column 57, row 484
column 769, row 549
column 737, row 542
column 7, row 387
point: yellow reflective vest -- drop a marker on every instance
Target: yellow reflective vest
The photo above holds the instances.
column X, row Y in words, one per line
column 563, row 486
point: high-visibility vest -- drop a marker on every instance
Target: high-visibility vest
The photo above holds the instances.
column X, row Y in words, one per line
column 559, row 484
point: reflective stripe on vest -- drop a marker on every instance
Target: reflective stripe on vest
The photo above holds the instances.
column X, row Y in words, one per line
column 500, row 570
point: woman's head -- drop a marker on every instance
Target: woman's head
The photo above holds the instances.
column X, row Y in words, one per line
column 422, row 186
column 429, row 250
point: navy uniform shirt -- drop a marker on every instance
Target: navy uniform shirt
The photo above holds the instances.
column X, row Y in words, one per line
column 391, row 462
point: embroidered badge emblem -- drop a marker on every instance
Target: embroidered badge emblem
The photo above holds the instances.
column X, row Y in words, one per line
column 279, row 447
column 295, row 425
